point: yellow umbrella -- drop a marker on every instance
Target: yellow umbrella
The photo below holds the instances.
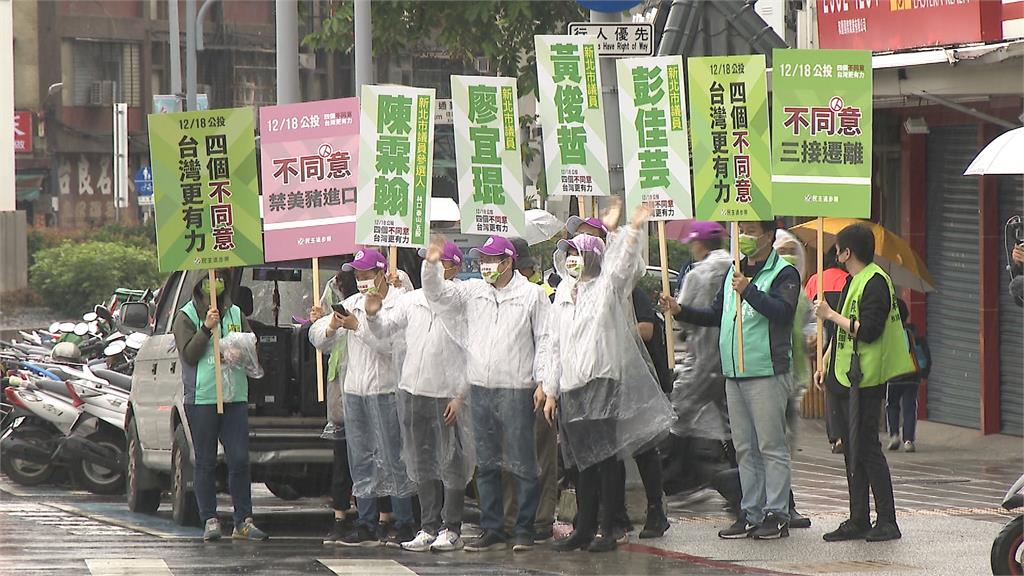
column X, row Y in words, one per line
column 892, row 253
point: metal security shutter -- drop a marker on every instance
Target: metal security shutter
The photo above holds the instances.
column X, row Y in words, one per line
column 1011, row 323
column 954, row 391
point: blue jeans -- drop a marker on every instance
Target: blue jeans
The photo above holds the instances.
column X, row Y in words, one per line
column 505, row 436
column 369, row 515
column 232, row 429
column 757, row 414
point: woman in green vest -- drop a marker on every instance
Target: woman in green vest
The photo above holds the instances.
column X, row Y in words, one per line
column 867, row 348
column 193, row 336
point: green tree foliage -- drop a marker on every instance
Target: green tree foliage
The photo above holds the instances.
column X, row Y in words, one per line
column 73, row 277
column 501, row 30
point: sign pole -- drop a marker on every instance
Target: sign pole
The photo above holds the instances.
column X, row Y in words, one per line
column 216, row 344
column 666, row 289
column 739, row 298
column 581, row 207
column 821, row 291
column 319, row 354
column 392, row 262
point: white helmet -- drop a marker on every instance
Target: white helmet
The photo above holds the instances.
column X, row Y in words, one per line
column 66, row 352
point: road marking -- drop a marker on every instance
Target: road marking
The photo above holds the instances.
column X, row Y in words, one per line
column 128, row 567
column 366, row 567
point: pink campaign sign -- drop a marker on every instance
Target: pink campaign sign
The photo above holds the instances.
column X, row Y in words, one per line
column 308, row 161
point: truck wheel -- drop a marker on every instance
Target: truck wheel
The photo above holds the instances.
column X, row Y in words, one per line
column 1004, row 548
column 183, row 501
column 25, row 472
column 95, row 478
column 140, row 500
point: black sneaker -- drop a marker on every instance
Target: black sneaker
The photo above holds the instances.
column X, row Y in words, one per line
column 772, row 528
column 884, row 531
column 798, row 520
column 340, row 529
column 490, row 540
column 402, row 534
column 602, row 543
column 575, row 541
column 848, row 530
column 361, row 537
column 543, row 536
column 522, row 543
column 656, row 524
column 740, row 529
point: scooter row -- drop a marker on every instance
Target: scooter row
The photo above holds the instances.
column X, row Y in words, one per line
column 64, row 412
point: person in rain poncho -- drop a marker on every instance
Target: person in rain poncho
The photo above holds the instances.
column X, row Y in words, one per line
column 648, row 460
column 505, row 347
column 341, row 477
column 430, row 395
column 756, row 395
column 607, row 396
column 698, row 393
column 371, row 411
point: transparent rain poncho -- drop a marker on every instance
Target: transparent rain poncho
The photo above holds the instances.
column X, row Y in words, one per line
column 804, row 324
column 609, row 400
column 370, row 383
column 698, row 393
column 433, row 378
column 504, row 345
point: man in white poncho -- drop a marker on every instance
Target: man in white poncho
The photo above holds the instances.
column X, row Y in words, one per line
column 607, row 396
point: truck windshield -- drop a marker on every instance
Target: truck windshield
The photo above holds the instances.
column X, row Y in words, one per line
column 296, row 295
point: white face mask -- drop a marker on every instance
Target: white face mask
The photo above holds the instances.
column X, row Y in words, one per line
column 490, row 272
column 574, row 265
column 367, row 286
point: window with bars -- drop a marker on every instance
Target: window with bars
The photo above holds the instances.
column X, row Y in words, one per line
column 105, row 72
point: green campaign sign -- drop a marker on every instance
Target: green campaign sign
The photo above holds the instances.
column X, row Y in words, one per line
column 396, row 151
column 729, row 132
column 490, row 166
column 572, row 115
column 655, row 151
column 205, row 189
column 821, row 123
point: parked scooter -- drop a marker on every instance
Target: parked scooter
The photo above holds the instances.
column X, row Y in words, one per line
column 32, row 436
column 1007, row 555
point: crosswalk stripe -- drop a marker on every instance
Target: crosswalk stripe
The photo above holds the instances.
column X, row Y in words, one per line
column 127, row 567
column 366, row 567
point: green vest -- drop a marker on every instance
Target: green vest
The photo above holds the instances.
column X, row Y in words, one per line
column 757, row 353
column 334, row 360
column 886, row 357
column 206, row 384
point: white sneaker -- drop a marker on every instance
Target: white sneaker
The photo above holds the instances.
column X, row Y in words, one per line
column 908, row 446
column 421, row 543
column 447, row 541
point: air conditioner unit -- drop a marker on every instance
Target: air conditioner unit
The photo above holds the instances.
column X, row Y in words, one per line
column 101, row 93
column 483, row 65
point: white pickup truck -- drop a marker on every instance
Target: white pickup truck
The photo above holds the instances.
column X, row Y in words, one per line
column 285, row 418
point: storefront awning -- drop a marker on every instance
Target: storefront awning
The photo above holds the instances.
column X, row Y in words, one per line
column 28, row 186
column 988, row 53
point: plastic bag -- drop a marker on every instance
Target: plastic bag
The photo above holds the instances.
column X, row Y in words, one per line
column 238, row 350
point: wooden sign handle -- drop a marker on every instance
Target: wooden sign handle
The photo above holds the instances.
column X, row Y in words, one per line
column 319, row 354
column 216, row 345
column 821, row 293
column 739, row 298
column 666, row 290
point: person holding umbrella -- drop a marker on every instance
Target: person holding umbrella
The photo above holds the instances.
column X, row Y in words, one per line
column 867, row 349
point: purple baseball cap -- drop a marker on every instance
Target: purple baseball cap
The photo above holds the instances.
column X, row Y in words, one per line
column 574, row 222
column 495, row 246
column 702, row 230
column 583, row 243
column 367, row 260
column 451, row 253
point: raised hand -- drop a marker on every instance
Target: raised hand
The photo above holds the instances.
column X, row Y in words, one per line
column 640, row 216
column 610, row 215
column 436, row 249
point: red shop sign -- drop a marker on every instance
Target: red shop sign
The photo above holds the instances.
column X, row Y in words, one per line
column 22, row 131
column 882, row 25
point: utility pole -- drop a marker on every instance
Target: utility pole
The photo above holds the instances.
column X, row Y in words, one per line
column 13, row 235
column 287, row 51
column 364, row 45
column 175, row 40
column 190, row 53
column 610, row 98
